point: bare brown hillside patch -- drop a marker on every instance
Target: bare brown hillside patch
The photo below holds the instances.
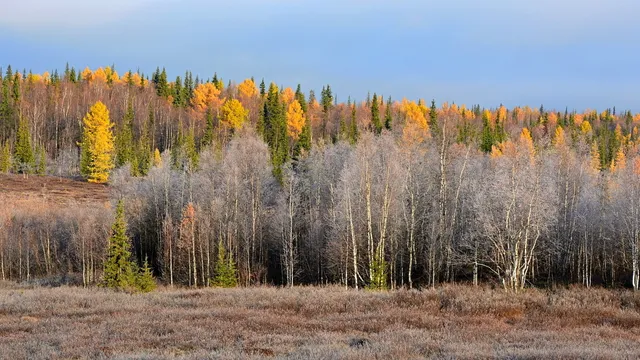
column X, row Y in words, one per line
column 18, row 188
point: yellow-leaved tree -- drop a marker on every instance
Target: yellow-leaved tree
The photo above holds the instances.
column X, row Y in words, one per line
column 295, row 120
column 97, row 147
column 205, row 96
column 233, row 114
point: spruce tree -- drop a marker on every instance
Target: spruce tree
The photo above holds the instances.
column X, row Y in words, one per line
column 124, row 138
column 433, row 118
column 275, row 130
column 119, row 272
column 300, row 97
column 353, row 126
column 41, row 166
column 207, row 138
column 225, row 270
column 486, row 141
column 5, row 158
column 388, row 118
column 24, row 159
column 7, row 118
column 376, row 124
column 144, row 280
column 178, row 93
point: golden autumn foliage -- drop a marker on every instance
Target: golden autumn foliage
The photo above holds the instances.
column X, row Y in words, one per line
column 416, row 128
column 620, row 161
column 414, row 113
column 489, row 116
column 502, row 113
column 205, row 96
column 288, row 95
column 295, row 119
column 100, row 75
column 526, row 142
column 157, row 159
column 87, row 74
column 233, row 114
column 585, row 127
column 97, row 144
column 559, row 140
column 247, row 89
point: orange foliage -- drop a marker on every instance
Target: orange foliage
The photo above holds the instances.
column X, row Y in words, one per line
column 205, row 96
column 247, row 89
column 288, row 95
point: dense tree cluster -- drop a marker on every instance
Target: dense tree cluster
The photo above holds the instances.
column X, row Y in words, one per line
column 259, row 184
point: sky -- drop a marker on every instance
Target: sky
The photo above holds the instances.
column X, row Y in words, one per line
column 561, row 53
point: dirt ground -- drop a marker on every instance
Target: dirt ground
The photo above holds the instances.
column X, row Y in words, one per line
column 318, row 323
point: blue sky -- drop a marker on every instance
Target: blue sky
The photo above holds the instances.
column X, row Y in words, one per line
column 580, row 54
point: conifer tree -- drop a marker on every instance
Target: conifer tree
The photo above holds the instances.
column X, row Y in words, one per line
column 124, row 138
column 353, row 126
column 144, row 280
column 97, row 144
column 388, row 119
column 207, row 138
column 225, row 270
column 376, row 124
column 7, row 120
column 5, row 158
column 118, row 268
column 41, row 167
column 178, row 100
column 300, row 97
column 275, row 130
column 486, row 141
column 433, row 118
column 24, row 159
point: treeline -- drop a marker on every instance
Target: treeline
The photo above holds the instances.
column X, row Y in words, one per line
column 276, row 186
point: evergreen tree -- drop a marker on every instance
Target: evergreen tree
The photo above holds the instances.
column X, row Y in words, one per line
column 97, row 146
column 300, row 97
column 353, row 126
column 225, row 270
column 379, row 273
column 72, row 75
column 5, row 158
column 24, row 159
column 327, row 103
column 388, row 119
column 376, row 124
column 207, row 138
column 275, row 130
column 263, row 89
column 41, row 167
column 486, row 142
column 162, row 85
column 7, row 118
column 119, row 271
column 178, row 93
column 433, row 118
column 124, row 138
column 144, row 280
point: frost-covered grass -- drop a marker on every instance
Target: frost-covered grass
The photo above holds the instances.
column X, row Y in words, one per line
column 315, row 322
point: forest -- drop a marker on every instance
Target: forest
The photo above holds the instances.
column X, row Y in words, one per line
column 227, row 183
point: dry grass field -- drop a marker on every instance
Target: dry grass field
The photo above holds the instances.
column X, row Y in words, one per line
column 312, row 322
column 51, row 189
